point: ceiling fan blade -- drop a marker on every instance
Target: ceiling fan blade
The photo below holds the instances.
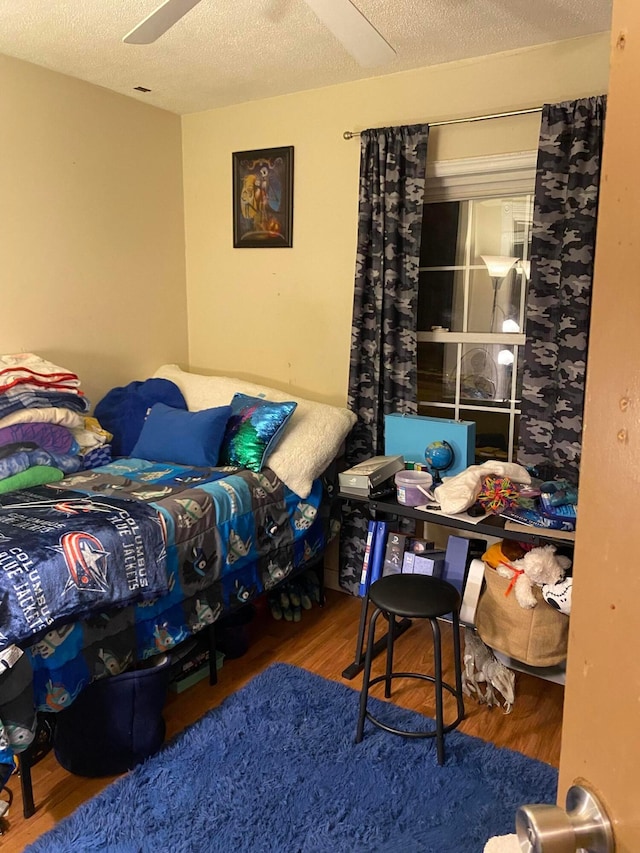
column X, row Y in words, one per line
column 358, row 35
column 159, row 21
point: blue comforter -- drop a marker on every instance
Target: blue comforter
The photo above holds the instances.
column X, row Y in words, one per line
column 65, row 557
column 114, row 565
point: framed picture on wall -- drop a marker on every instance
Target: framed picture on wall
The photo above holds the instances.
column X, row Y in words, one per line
column 263, row 198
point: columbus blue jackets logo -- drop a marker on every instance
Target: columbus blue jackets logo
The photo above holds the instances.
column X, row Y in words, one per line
column 86, row 560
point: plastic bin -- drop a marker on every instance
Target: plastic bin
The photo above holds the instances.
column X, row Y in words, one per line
column 413, row 487
column 115, row 723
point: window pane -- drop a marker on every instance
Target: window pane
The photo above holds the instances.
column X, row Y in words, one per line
column 500, row 226
column 441, row 238
column 436, row 363
column 485, row 373
column 492, row 434
column 494, row 302
column 441, row 300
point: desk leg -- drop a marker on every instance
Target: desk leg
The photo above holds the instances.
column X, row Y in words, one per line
column 358, row 664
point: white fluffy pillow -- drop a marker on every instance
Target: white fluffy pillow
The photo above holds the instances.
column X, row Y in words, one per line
column 310, row 442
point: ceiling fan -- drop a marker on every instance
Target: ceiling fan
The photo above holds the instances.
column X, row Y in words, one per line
column 356, row 33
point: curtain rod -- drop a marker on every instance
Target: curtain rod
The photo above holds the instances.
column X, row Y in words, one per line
column 349, row 134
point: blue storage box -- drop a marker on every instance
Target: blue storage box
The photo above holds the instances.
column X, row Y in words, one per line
column 410, row 435
column 115, row 723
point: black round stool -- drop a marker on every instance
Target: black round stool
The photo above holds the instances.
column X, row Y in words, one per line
column 415, row 597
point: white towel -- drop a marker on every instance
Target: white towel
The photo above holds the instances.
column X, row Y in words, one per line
column 503, row 844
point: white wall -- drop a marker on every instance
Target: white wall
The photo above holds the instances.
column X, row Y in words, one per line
column 91, row 216
column 283, row 316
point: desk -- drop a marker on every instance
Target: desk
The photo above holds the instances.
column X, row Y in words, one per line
column 492, row 525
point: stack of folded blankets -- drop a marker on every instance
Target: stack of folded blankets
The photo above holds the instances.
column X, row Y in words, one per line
column 45, row 431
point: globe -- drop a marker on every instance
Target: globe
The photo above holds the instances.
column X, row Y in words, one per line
column 439, row 456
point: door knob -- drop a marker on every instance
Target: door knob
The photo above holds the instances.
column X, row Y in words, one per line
column 584, row 826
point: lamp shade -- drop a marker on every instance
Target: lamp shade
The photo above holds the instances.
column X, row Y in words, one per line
column 499, row 265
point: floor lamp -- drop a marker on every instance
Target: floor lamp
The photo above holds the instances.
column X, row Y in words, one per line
column 498, row 266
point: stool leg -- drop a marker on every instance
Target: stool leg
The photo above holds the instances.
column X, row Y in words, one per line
column 437, row 656
column 458, row 664
column 390, row 641
column 366, row 677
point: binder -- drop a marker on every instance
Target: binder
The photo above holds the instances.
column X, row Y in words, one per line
column 379, row 547
column 461, row 550
column 366, row 562
column 456, row 562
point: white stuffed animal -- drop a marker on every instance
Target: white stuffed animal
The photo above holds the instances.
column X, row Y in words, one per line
column 540, row 566
column 558, row 595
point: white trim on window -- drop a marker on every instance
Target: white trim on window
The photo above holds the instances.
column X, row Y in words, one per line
column 481, row 177
column 441, row 336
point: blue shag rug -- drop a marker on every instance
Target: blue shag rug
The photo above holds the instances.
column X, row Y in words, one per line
column 274, row 769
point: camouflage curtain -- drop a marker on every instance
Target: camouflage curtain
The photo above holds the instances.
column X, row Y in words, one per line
column 383, row 366
column 559, row 296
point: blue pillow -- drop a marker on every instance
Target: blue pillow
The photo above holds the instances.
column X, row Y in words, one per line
column 187, row 438
column 253, row 431
column 122, row 410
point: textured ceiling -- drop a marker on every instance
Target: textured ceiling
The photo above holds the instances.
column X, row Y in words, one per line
column 229, row 51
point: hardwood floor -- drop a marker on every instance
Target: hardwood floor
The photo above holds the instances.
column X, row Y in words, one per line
column 322, row 642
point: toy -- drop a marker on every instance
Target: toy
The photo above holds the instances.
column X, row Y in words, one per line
column 540, row 566
column 439, row 456
column 497, row 494
column 558, row 595
column 457, row 494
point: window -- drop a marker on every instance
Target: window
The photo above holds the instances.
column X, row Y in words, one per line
column 470, row 311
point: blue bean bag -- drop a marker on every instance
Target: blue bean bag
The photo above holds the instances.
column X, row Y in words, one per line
column 122, row 410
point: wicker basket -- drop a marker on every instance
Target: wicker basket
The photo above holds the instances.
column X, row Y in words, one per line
column 536, row 636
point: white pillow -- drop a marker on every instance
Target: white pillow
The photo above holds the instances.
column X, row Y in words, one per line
column 310, row 442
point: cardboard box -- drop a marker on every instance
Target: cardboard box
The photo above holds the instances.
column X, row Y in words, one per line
column 429, row 563
column 410, row 435
column 407, row 562
column 394, row 555
column 370, row 473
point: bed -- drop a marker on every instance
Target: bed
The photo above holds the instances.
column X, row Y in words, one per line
column 109, row 567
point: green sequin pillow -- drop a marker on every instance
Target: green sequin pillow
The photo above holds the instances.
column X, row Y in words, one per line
column 253, row 431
